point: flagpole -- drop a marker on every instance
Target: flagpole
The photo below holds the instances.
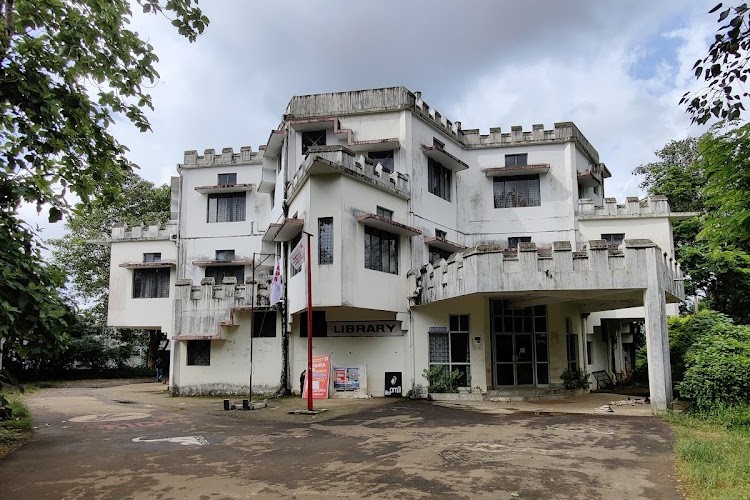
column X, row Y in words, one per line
column 309, row 375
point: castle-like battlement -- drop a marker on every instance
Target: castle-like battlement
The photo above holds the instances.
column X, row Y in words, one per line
column 167, row 231
column 227, row 157
column 652, row 206
column 488, row 269
column 339, row 159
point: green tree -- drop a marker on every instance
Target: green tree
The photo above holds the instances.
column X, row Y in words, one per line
column 68, row 68
column 685, row 173
column 724, row 69
column 87, row 264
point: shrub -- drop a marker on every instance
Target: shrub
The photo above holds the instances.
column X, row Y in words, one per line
column 441, row 380
column 718, row 368
column 575, row 379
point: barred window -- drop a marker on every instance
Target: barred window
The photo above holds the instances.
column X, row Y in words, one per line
column 517, row 191
column 325, row 240
column 438, row 179
column 151, row 283
column 381, row 250
column 226, row 207
column 199, row 352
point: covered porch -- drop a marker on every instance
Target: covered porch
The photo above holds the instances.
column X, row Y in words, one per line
column 533, row 306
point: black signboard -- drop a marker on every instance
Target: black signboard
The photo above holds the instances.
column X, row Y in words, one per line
column 393, row 384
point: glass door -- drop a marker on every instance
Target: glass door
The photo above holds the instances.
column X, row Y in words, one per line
column 520, row 345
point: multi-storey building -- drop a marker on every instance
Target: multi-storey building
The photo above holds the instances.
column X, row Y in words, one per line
column 494, row 255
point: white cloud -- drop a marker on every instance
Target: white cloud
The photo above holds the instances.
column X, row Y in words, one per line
column 482, row 62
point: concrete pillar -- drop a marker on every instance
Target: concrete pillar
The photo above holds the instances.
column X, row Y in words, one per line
column 619, row 362
column 657, row 340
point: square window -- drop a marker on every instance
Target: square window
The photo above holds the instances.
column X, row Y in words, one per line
column 384, row 213
column 226, row 207
column 439, row 233
column 152, row 257
column 224, row 254
column 517, row 191
column 516, row 160
column 436, row 254
column 312, row 139
column 199, row 352
column 439, row 179
column 151, row 283
column 614, row 239
column 385, row 158
column 218, row 273
column 264, row 324
column 381, row 250
column 325, row 240
column 227, row 179
column 513, row 241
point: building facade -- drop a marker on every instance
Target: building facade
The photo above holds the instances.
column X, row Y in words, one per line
column 496, row 255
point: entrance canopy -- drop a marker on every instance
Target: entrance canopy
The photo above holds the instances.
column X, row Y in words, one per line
column 600, row 278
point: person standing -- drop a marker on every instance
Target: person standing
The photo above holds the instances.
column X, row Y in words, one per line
column 159, row 368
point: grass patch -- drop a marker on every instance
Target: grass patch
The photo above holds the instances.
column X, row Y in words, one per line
column 15, row 430
column 713, row 453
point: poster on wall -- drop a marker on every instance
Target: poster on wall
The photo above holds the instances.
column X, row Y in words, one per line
column 321, row 367
column 393, row 384
column 346, row 378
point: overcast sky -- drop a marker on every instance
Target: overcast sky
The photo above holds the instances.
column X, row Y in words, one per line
column 615, row 68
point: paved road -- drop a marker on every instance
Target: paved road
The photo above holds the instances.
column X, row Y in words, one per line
column 136, row 442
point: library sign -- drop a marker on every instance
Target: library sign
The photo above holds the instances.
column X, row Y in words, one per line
column 381, row 328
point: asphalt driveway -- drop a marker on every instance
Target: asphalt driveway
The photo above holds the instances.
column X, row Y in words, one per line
column 134, row 441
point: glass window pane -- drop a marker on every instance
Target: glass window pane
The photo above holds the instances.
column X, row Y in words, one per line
column 504, row 348
column 454, row 323
column 535, row 197
column 439, row 348
column 542, row 373
column 459, row 347
column 498, row 189
column 541, row 348
column 505, row 374
column 525, row 373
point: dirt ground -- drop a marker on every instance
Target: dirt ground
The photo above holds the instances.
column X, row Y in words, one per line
column 134, row 441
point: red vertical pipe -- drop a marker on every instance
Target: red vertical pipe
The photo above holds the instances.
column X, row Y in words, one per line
column 309, row 375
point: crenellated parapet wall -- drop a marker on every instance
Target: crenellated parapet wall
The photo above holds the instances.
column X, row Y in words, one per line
column 652, row 206
column 227, row 157
column 400, row 98
column 597, row 272
column 339, row 159
column 123, row 232
column 203, row 310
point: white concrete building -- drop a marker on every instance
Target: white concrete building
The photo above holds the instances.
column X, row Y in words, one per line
column 494, row 255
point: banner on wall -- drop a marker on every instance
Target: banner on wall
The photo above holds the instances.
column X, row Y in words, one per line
column 321, row 370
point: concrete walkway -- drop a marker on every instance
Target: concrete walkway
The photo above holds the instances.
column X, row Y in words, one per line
column 135, row 441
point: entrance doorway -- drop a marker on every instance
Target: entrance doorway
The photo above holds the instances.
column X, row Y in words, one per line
column 519, row 337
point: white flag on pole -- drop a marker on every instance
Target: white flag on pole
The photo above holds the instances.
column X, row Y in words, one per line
column 276, row 283
column 297, row 257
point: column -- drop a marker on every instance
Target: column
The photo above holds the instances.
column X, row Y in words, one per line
column 657, row 340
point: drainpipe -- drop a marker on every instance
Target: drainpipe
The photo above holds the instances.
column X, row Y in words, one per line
column 284, row 247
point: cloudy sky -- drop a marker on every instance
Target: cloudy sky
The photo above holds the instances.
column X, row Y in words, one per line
column 616, row 68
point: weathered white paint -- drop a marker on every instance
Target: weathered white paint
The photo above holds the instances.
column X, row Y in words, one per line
column 338, row 181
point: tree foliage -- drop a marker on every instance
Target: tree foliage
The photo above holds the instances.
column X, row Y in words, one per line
column 696, row 175
column 68, row 70
column 717, row 367
column 86, row 263
column 724, row 69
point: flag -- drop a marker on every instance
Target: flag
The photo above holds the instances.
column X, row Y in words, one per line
column 276, row 283
column 297, row 257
